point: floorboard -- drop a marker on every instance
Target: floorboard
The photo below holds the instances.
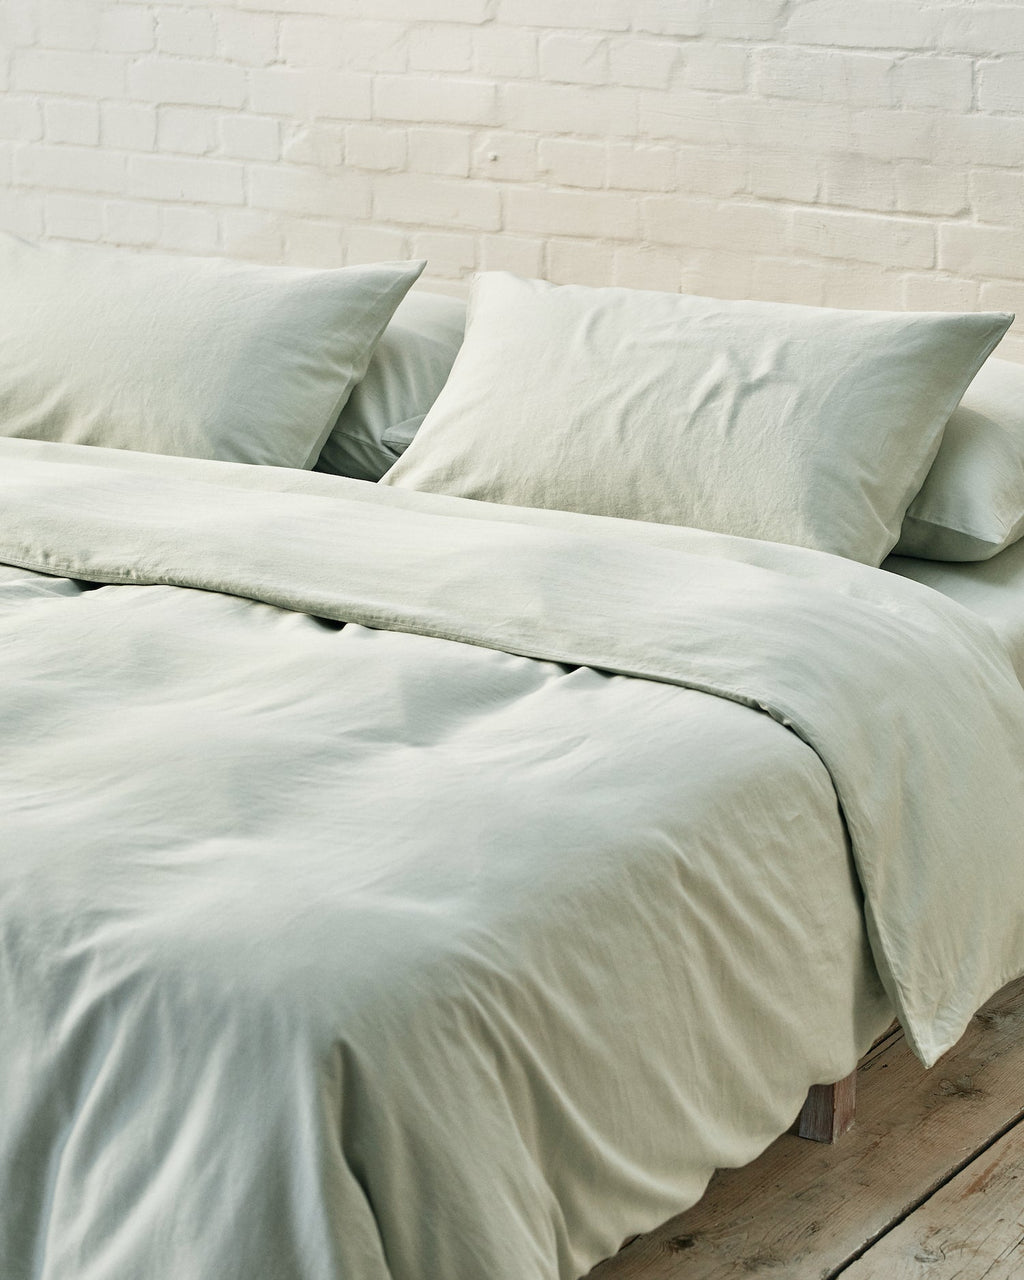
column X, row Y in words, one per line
column 804, row 1211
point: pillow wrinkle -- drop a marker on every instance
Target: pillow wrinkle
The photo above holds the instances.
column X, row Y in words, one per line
column 200, row 357
column 805, row 425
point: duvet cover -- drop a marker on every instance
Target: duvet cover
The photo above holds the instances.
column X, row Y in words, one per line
column 397, row 887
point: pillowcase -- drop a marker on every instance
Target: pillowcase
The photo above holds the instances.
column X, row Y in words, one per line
column 792, row 424
column 409, row 367
column 971, row 504
column 200, row 357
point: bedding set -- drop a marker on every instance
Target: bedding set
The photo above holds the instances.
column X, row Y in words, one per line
column 465, row 774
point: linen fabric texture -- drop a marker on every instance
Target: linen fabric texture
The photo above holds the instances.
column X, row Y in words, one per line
column 409, row 366
column 367, row 925
column 792, row 424
column 971, row 505
column 200, row 357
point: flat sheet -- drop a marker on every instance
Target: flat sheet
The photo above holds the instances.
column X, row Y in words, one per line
column 345, row 952
column 993, row 589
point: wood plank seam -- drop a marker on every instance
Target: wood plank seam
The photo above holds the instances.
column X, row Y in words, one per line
column 924, row 1198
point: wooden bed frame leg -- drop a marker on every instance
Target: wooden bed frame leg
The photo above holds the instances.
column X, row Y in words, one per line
column 828, row 1111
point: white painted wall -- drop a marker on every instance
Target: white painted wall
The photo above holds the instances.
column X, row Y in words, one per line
column 844, row 152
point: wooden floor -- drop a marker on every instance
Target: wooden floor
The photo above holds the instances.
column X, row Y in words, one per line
column 928, row 1185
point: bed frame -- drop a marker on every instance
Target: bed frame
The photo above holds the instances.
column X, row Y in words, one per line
column 828, row 1110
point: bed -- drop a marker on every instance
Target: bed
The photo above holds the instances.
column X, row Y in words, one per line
column 407, row 882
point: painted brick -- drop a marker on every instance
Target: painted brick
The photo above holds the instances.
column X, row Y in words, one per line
column 858, row 237
column 634, row 167
column 519, row 254
column 85, row 75
column 292, row 189
column 719, row 274
column 574, row 58
column 175, row 178
column 451, row 256
column 596, row 214
column 246, row 38
column 418, row 98
column 247, row 137
column 589, row 110
column 19, row 25
column 251, row 233
column 931, row 189
column 304, row 95
column 997, row 196
column 311, row 242
column 21, row 119
column 1001, row 85
column 186, row 130
column 22, row 213
column 982, row 28
column 816, row 75
column 186, row 83
column 670, row 17
column 643, row 63
column 444, row 151
column 510, row 157
column 779, row 279
column 189, row 32
column 713, row 224
column 72, row 121
column 641, row 267
column 68, row 24
column 721, row 67
column 423, row 200
column 188, row 230
column 942, row 84
column 580, row 262
column 374, row 146
column 319, row 145
column 418, row 11
column 505, row 53
column 375, row 244
column 986, row 252
column 932, row 291
column 746, row 19
column 69, row 168
column 310, row 42
column 809, row 150
column 125, row 28
column 780, row 175
column 976, row 140
column 437, row 47
column 712, row 172
column 869, row 24
column 569, row 163
column 869, row 288
column 73, row 217
column 125, row 126
column 130, row 222
column 858, row 182
column 585, row 15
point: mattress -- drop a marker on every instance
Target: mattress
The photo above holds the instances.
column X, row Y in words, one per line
column 993, row 589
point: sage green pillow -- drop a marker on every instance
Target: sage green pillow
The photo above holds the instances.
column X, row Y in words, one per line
column 200, row 357
column 409, row 367
column 971, row 505
column 794, row 424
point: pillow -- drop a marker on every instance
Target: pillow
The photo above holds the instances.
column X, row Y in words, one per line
column 972, row 502
column 408, row 369
column 193, row 356
column 791, row 424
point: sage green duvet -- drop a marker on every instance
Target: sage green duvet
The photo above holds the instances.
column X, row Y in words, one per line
column 464, row 939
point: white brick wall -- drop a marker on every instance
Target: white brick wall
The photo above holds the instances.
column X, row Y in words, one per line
column 823, row 151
